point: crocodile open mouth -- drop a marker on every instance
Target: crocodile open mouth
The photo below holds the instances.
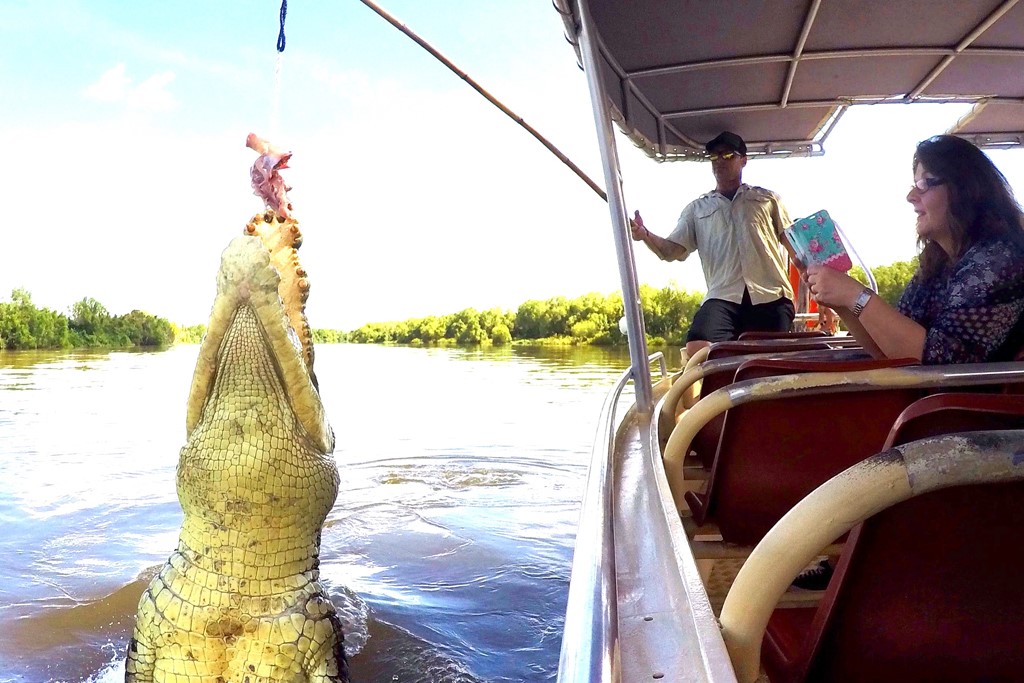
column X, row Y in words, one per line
column 260, row 272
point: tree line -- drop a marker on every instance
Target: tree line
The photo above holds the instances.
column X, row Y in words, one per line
column 23, row 325
column 589, row 319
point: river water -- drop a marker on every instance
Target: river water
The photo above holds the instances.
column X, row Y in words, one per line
column 448, row 549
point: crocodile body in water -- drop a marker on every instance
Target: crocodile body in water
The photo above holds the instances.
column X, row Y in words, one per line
column 240, row 600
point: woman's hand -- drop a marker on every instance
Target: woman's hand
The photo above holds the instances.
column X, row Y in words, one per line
column 831, row 288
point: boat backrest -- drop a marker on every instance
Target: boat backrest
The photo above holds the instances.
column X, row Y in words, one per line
column 705, row 443
column 728, row 349
column 772, row 453
column 950, row 413
column 756, row 336
column 927, row 590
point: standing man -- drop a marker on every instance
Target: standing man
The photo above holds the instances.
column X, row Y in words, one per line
column 736, row 228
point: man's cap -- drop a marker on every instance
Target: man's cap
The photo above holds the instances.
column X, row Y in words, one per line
column 730, row 140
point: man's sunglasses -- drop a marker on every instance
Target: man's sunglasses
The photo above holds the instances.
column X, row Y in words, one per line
column 925, row 184
column 722, row 155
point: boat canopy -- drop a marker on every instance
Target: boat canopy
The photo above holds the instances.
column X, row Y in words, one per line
column 782, row 73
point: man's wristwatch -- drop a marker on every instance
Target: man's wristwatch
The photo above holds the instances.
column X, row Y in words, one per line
column 862, row 300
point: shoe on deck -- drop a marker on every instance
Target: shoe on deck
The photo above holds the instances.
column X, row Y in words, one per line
column 815, row 578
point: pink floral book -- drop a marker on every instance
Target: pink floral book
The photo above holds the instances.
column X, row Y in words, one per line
column 817, row 240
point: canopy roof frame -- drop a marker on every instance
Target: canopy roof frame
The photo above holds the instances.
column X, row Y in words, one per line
column 676, row 127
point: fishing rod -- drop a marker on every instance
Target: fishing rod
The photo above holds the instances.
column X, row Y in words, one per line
column 490, row 98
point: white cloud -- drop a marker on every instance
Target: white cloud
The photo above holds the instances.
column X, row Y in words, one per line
column 112, row 86
column 150, row 95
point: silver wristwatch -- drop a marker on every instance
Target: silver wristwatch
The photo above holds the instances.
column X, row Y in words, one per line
column 862, row 300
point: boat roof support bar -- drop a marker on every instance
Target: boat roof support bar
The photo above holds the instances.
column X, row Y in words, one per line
column 617, row 209
column 964, row 44
column 801, row 42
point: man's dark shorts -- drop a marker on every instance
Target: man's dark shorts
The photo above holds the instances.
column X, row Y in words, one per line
column 718, row 320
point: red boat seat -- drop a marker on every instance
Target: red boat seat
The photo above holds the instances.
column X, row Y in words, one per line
column 705, row 442
column 728, row 349
column 928, row 590
column 774, row 452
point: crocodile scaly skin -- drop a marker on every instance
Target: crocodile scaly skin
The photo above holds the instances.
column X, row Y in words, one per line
column 240, row 600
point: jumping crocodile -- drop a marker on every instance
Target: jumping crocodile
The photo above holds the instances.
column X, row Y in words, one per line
column 240, row 600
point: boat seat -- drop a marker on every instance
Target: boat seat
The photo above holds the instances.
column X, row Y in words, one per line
column 727, row 349
column 928, row 590
column 705, row 442
column 950, row 413
column 772, row 453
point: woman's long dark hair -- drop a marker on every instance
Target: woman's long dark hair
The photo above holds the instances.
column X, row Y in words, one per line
column 981, row 202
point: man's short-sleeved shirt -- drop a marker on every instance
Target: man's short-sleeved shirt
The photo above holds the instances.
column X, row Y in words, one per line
column 739, row 244
column 973, row 311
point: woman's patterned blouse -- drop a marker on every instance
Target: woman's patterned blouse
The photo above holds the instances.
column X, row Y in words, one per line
column 972, row 311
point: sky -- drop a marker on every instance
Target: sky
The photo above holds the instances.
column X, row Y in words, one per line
column 126, row 171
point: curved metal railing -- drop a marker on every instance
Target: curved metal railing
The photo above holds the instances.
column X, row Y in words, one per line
column 802, row 384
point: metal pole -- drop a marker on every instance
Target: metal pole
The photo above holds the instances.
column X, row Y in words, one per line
column 490, row 98
column 617, row 209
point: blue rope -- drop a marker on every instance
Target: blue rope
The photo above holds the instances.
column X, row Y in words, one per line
column 280, row 35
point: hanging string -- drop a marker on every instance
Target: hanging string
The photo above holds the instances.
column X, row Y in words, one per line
column 275, row 106
column 280, row 35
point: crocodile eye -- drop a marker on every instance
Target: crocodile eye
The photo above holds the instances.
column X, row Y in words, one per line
column 268, row 217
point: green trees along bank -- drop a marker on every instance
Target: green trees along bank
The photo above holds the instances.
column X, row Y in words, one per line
column 891, row 280
column 588, row 319
column 87, row 324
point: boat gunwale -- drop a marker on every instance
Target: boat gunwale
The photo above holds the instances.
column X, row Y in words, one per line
column 601, row 643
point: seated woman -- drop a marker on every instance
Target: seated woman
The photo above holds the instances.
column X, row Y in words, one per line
column 965, row 303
